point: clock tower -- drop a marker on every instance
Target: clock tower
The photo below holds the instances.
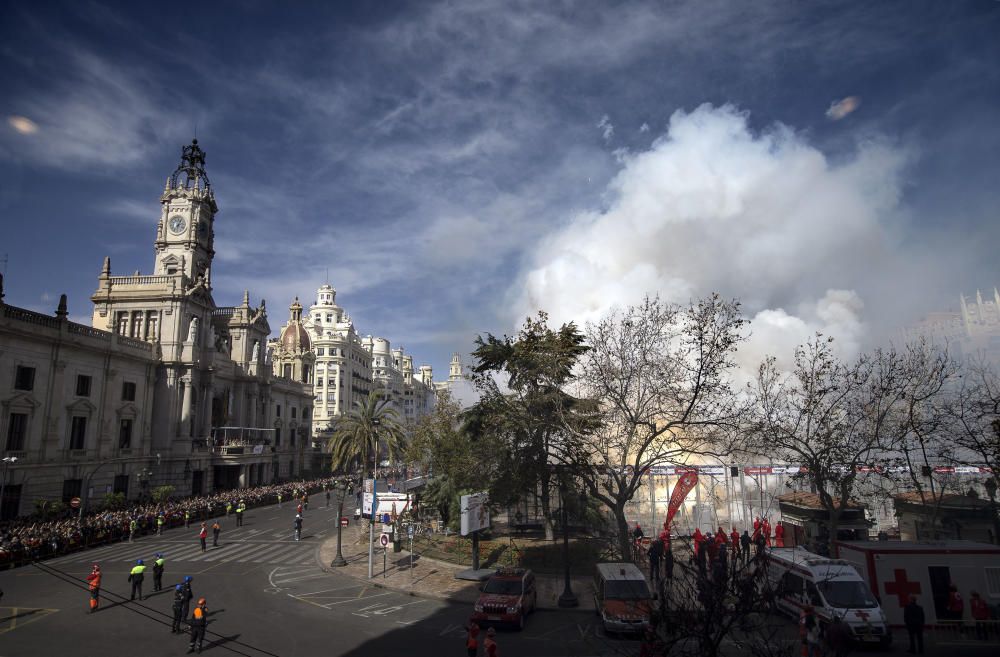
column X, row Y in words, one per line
column 184, row 234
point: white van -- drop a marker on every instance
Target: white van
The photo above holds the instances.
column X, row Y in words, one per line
column 832, row 587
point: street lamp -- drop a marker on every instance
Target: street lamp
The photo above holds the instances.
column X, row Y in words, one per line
column 371, row 517
column 7, row 460
column 341, row 485
column 567, row 598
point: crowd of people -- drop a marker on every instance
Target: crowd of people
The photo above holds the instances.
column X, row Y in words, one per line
column 31, row 538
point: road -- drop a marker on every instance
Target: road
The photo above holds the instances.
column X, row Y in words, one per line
column 268, row 596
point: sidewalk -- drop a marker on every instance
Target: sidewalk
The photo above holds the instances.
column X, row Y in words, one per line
column 430, row 578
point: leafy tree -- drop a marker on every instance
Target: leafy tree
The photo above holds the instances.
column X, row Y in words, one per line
column 441, row 447
column 656, row 381
column 49, row 508
column 354, row 438
column 523, row 406
column 161, row 494
column 113, row 501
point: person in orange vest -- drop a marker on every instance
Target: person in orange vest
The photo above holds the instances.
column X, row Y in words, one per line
column 94, row 578
column 721, row 537
column 980, row 613
column 779, row 534
column 490, row 644
column 697, row 538
column 472, row 639
column 766, row 526
column 199, row 621
column 734, row 540
column 956, row 606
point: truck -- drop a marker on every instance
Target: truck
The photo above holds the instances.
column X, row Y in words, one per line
column 895, row 571
column 832, row 587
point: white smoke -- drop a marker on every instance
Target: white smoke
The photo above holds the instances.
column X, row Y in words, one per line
column 713, row 206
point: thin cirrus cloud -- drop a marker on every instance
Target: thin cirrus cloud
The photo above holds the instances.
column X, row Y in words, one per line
column 23, row 125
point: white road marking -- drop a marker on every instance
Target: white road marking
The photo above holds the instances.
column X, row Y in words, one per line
column 330, row 604
column 339, row 588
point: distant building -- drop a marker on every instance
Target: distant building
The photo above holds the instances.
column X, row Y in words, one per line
column 949, row 516
column 167, row 388
column 974, row 328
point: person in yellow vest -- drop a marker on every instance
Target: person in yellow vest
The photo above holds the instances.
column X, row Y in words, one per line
column 199, row 621
column 241, row 507
column 158, row 572
column 136, row 576
column 187, row 518
column 229, row 508
column 94, row 579
column 160, row 521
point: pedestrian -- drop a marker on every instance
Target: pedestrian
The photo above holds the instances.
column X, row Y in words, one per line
column 765, row 526
column 956, row 606
column 203, row 537
column 158, row 572
column 745, row 545
column 913, row 619
column 160, row 521
column 298, row 527
column 779, row 535
column 229, row 509
column 240, row 508
column 305, row 501
column 199, row 621
column 980, row 614
column 490, row 644
column 279, row 500
column 133, row 527
column 216, row 529
column 655, row 554
column 94, row 581
column 180, row 601
column 734, row 540
column 136, row 575
column 298, row 509
column 808, row 631
column 328, row 497
column 188, row 596
column 759, row 545
column 187, row 519
column 838, row 637
column 472, row 638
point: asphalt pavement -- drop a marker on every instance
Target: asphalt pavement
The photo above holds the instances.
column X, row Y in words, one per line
column 269, row 596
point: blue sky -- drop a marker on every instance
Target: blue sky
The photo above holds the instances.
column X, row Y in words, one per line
column 457, row 165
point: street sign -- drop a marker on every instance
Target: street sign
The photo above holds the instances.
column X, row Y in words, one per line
column 410, row 531
column 344, row 521
column 384, row 540
column 75, row 502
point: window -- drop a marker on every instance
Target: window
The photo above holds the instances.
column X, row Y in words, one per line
column 128, row 391
column 993, row 581
column 329, row 317
column 293, row 412
column 319, row 383
column 17, row 429
column 121, row 485
column 320, row 351
column 78, row 432
column 71, row 489
column 286, row 371
column 277, row 411
column 25, row 378
column 125, row 434
column 82, row 385
column 277, row 436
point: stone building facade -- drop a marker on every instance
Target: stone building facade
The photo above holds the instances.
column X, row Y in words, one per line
column 187, row 381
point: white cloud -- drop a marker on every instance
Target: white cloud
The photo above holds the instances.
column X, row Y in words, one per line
column 841, row 108
column 713, row 206
column 22, row 124
column 607, row 130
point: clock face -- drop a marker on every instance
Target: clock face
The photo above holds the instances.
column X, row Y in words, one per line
column 177, row 224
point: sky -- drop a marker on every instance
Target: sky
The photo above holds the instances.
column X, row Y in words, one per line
column 452, row 167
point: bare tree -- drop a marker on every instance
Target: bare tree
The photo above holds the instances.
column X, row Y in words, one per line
column 657, row 381
column 974, row 414
column 843, row 420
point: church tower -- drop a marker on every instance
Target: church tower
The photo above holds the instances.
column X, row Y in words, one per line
column 184, row 234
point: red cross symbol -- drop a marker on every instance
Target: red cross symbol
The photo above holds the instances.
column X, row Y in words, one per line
column 901, row 588
column 863, row 615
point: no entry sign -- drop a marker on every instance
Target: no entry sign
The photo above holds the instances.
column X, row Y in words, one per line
column 344, row 521
column 75, row 502
column 384, row 539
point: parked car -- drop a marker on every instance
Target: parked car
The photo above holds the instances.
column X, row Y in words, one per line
column 622, row 598
column 508, row 596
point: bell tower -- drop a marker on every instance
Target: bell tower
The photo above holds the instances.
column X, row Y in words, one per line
column 185, row 234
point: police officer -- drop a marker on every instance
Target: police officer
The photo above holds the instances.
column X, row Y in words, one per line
column 188, row 595
column 136, row 576
column 160, row 521
column 240, row 509
column 158, row 572
column 180, row 601
column 199, row 621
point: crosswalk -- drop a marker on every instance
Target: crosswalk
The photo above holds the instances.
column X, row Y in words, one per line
column 262, row 551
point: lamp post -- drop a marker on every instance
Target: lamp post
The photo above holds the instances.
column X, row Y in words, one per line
column 7, row 460
column 567, row 598
column 374, row 510
column 339, row 560
column 991, row 491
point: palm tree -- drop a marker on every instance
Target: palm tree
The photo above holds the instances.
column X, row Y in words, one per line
column 354, row 437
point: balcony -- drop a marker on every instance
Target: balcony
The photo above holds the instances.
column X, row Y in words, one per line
column 235, row 441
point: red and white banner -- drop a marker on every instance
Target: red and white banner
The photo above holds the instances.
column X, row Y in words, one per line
column 684, row 485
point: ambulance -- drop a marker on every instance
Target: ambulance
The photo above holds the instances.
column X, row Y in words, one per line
column 832, row 587
column 896, row 570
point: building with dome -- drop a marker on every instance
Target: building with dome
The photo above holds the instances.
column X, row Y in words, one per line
column 348, row 366
column 164, row 388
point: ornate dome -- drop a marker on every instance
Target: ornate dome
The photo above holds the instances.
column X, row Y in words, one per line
column 294, row 336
